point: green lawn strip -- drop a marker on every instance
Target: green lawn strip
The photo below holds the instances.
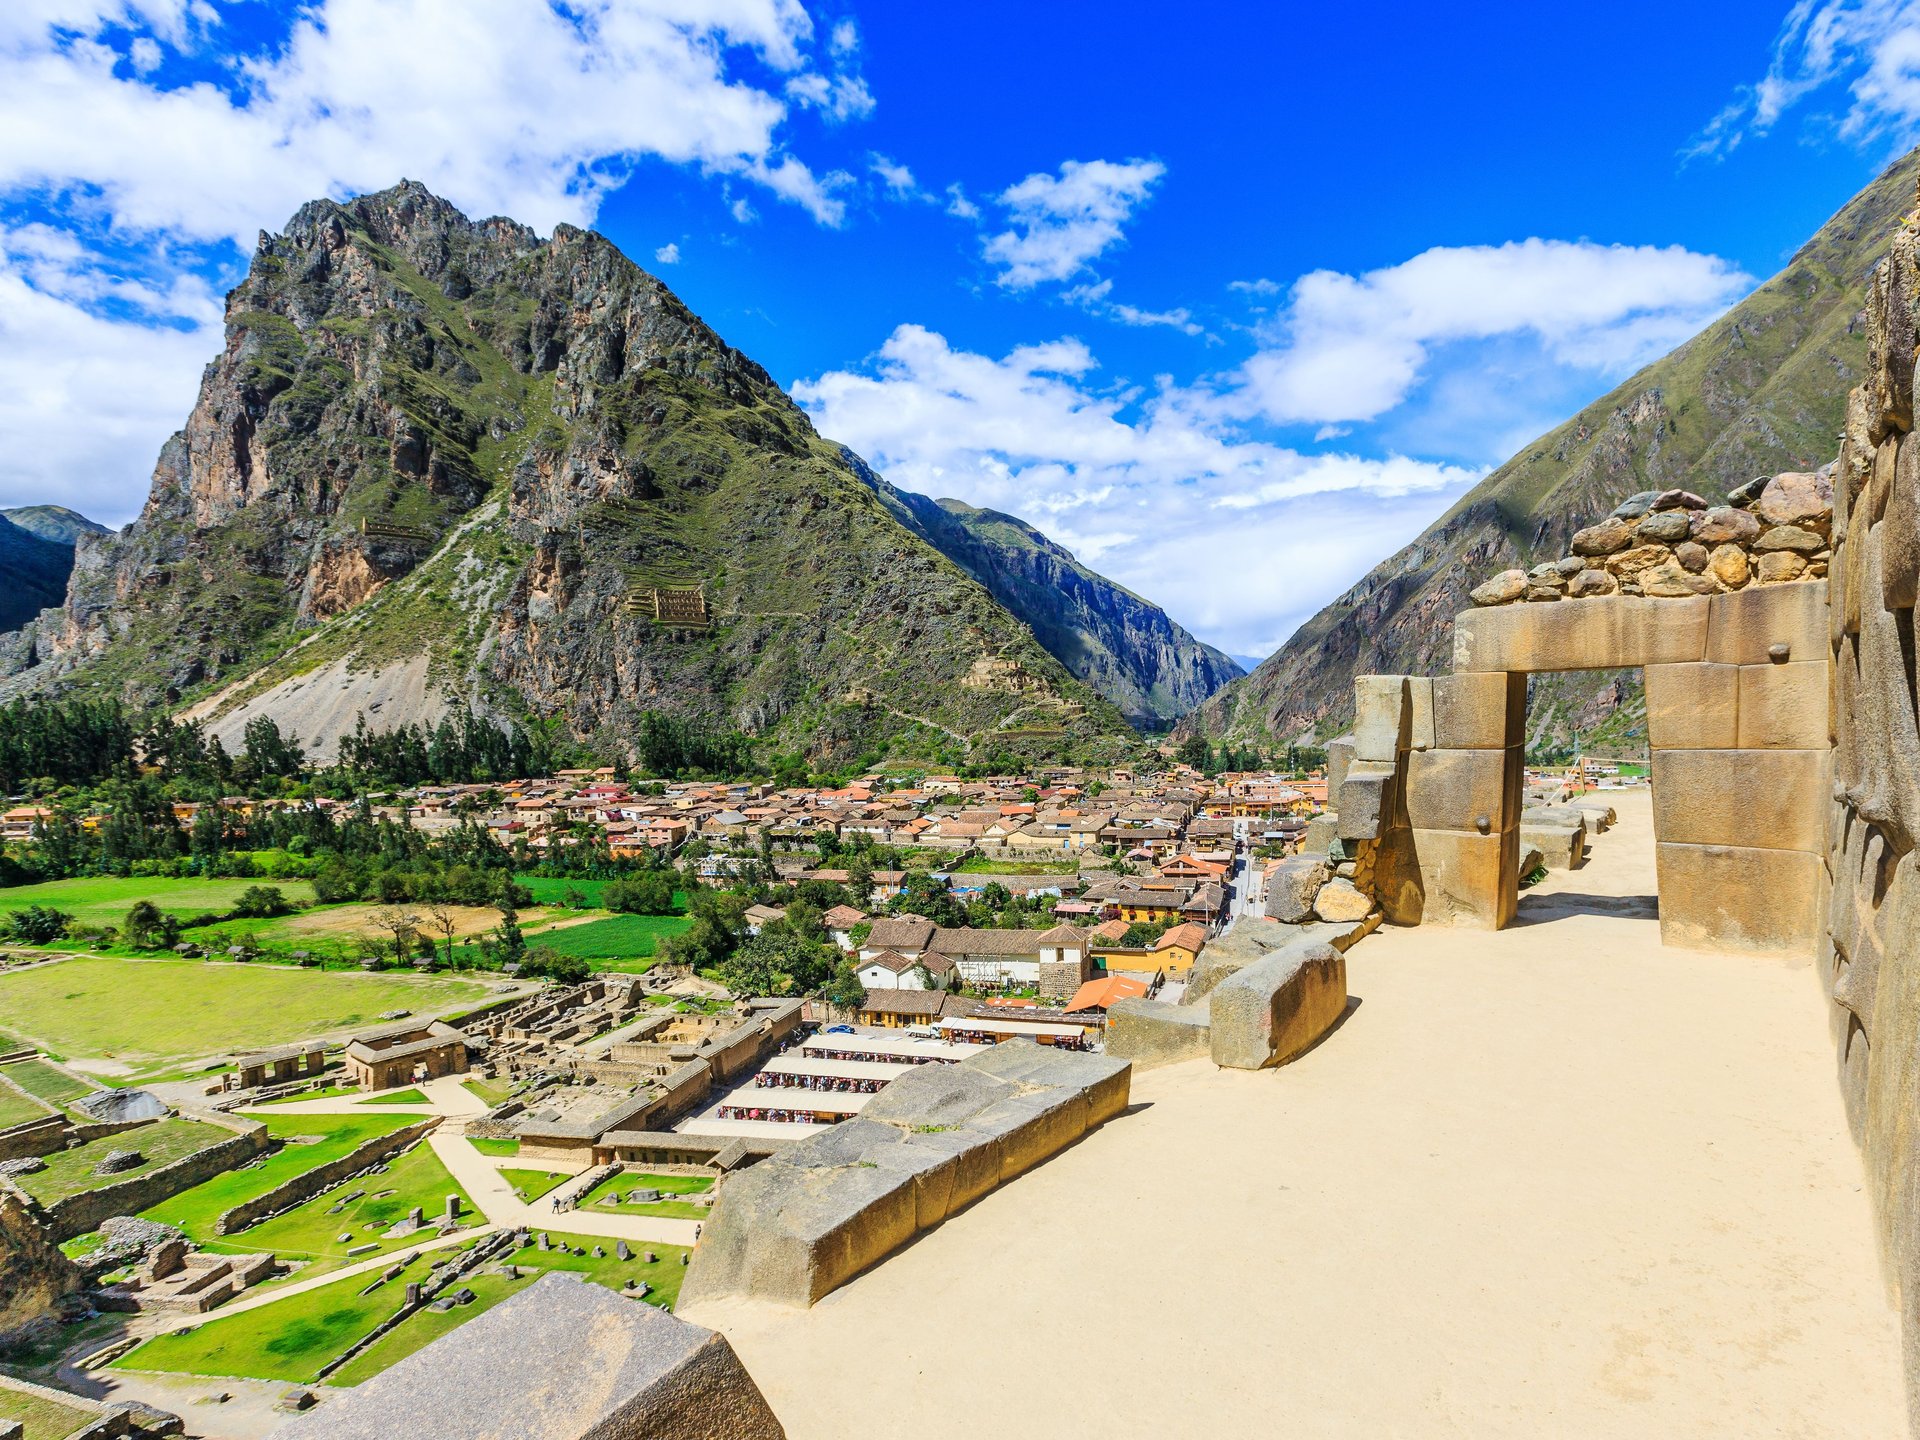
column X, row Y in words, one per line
column 155, row 1014
column 981, row 865
column 416, row 1178
column 42, row 1080
column 71, row 1171
column 288, row 1340
column 400, row 1097
column 530, row 1185
column 426, row 1326
column 105, row 899
column 549, row 890
column 44, row 1419
column 616, row 943
column 665, row 1184
column 327, row 1092
column 488, row 1146
column 18, row 1109
column 195, row 1210
column 492, row 1092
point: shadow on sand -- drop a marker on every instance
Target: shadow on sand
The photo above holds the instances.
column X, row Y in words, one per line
column 1543, row 909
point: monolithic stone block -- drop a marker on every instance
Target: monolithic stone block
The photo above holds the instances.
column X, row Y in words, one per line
column 1339, row 760
column 1322, row 831
column 1757, row 799
column 1784, row 707
column 1420, row 713
column 1693, row 707
column 1733, row 897
column 1103, row 1079
column 1395, row 882
column 1366, row 800
column 1276, row 1008
column 1749, row 627
column 1382, row 716
column 1900, row 532
column 1561, row 841
column 1458, row 789
column 1606, row 633
column 560, row 1360
column 1292, row 884
column 1479, row 711
column 1468, row 880
column 1149, row 1033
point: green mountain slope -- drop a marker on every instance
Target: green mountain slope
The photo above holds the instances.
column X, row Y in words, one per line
column 442, row 462
column 1761, row 390
column 1123, row 646
column 54, row 522
column 36, row 571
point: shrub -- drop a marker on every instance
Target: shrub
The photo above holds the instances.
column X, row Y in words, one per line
column 38, row 925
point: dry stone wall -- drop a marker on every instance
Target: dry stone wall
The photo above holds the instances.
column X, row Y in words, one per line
column 1871, row 950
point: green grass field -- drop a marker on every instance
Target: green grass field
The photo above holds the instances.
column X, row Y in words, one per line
column 18, row 1109
column 549, row 891
column 492, row 1092
column 399, row 1097
column 195, row 1210
column 616, row 944
column 530, row 1185
column 416, row 1178
column 45, row 1082
column 44, row 1419
column 105, row 899
column 487, row 1146
column 291, row 1339
column 164, row 1141
column 666, row 1184
column 981, row 865
column 153, row 1014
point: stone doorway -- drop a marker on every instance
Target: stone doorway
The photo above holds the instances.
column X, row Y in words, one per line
column 1738, row 720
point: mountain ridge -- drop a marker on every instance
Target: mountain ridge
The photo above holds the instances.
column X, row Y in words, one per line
column 1760, row 390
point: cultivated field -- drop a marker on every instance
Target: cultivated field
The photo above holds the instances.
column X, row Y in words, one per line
column 150, row 1015
column 614, row 944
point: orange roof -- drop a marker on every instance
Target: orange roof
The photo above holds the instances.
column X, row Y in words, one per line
column 1099, row 994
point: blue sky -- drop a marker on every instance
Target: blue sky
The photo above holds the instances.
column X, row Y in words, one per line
column 1232, row 301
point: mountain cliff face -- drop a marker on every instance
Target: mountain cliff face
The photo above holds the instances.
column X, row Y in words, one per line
column 1761, row 390
column 444, row 462
column 36, row 556
column 1125, row 647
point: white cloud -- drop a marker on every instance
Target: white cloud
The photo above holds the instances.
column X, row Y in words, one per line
column 959, row 205
column 668, row 254
column 1062, row 222
column 85, row 400
column 1353, row 347
column 1872, row 45
column 1255, row 287
column 896, row 177
column 1097, row 299
column 1221, row 529
column 505, row 106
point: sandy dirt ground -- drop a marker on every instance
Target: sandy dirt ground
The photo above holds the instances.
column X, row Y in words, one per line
column 1558, row 1181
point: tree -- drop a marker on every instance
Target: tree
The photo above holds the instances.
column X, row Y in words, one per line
column 38, row 925
column 567, row 969
column 150, row 927
column 648, row 893
column 446, row 922
column 258, row 902
column 1142, row 933
column 844, row 988
column 509, row 943
column 398, row 923
column 1194, row 751
column 775, row 962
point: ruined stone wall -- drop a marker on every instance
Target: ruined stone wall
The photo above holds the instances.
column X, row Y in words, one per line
column 33, row 1272
column 302, row 1188
column 1871, row 954
column 77, row 1214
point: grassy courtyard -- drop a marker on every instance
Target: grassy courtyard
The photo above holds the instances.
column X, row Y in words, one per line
column 600, row 1196
column 151, row 1015
column 292, row 1338
column 46, row 1082
column 487, row 1145
column 530, row 1185
column 307, row 1142
column 312, row 1231
column 18, row 1109
column 105, row 899
column 71, row 1171
column 399, row 1097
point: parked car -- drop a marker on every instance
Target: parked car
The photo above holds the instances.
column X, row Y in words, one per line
column 838, row 1030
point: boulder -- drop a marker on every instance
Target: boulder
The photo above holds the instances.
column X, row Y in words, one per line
column 1730, row 566
column 1693, row 557
column 1790, row 537
column 1678, row 500
column 1322, row 830
column 1276, row 1008
column 1796, row 498
column 1640, row 557
column 1340, row 900
column 1723, row 525
column 1591, row 582
column 1561, row 839
column 1634, row 506
column 1608, row 537
column 1781, row 565
column 1670, row 578
column 1502, row 589
column 1291, row 886
column 1669, row 526
column 1149, row 1033
column 1744, row 495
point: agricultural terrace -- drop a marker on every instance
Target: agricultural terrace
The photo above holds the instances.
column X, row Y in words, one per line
column 150, row 1016
column 44, row 1419
column 623, row 943
column 46, row 1082
column 290, row 1339
column 69, row 1172
column 105, row 899
column 18, row 1109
